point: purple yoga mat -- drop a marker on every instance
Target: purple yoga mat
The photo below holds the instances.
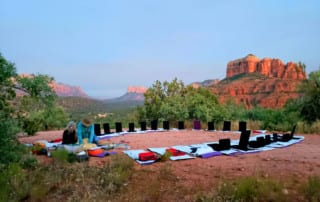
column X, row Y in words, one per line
column 210, row 154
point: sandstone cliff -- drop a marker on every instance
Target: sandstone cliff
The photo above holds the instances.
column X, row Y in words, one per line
column 254, row 82
column 267, row 66
column 137, row 89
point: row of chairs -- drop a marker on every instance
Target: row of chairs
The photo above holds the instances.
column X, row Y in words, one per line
column 245, row 144
column 166, row 126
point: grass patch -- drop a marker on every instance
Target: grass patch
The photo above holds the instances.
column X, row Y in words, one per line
column 248, row 189
column 64, row 181
column 312, row 189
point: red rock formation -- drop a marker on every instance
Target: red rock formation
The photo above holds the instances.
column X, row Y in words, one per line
column 271, row 85
column 65, row 90
column 267, row 66
column 137, row 89
column 243, row 65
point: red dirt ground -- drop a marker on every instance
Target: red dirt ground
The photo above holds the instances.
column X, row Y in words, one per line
column 294, row 163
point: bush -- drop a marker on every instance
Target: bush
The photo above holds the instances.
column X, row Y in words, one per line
column 11, row 150
column 13, row 183
column 60, row 156
column 29, row 162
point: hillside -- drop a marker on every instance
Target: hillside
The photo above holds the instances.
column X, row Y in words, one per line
column 78, row 107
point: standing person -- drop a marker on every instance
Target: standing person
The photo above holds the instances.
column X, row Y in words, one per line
column 69, row 134
column 85, row 131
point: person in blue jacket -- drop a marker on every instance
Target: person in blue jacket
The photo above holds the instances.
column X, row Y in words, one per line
column 85, row 130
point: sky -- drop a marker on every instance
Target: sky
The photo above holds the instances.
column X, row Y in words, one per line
column 104, row 46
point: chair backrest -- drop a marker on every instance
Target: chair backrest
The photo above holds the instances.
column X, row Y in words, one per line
column 143, row 125
column 224, row 144
column 288, row 136
column 131, row 127
column 181, row 125
column 275, row 137
column 97, row 129
column 166, row 125
column 244, row 139
column 267, row 139
column 196, row 125
column 210, row 125
column 293, row 131
column 106, row 128
column 226, row 126
column 242, row 125
column 261, row 141
column 154, row 125
column 118, row 127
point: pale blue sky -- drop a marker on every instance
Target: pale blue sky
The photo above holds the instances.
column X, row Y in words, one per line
column 105, row 46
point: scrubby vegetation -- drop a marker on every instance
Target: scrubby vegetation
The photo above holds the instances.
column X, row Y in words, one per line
column 62, row 181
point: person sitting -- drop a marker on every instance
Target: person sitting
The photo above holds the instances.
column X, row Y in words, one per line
column 85, row 132
column 69, row 134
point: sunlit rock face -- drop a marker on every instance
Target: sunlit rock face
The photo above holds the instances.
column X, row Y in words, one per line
column 266, row 66
column 136, row 89
column 260, row 82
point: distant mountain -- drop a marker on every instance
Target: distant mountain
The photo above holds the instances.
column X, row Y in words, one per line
column 205, row 83
column 134, row 93
column 65, row 90
column 61, row 89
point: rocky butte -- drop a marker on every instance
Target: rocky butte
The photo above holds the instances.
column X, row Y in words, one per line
column 260, row 82
column 137, row 89
column 134, row 93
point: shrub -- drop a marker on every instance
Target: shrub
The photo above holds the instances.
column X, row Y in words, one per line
column 166, row 156
column 29, row 162
column 13, row 183
column 60, row 156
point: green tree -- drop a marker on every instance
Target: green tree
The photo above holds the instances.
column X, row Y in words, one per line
column 7, row 93
column 153, row 100
column 201, row 103
column 173, row 101
column 174, row 109
column 38, row 110
column 310, row 100
column 160, row 99
column 9, row 146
